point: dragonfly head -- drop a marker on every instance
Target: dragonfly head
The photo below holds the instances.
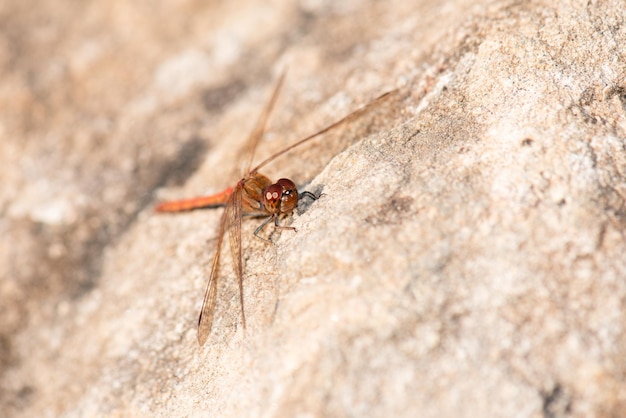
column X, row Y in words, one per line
column 280, row 197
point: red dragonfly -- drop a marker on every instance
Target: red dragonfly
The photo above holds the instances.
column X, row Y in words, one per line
column 256, row 195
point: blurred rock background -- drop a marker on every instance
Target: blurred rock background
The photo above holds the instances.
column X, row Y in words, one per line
column 466, row 259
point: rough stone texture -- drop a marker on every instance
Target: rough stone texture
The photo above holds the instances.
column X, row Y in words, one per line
column 467, row 257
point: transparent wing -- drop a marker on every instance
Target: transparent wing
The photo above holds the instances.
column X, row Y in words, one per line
column 348, row 118
column 231, row 220
column 259, row 128
column 234, row 220
column 205, row 321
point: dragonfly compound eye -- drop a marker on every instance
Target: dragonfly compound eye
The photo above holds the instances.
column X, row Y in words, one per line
column 272, row 198
column 289, row 197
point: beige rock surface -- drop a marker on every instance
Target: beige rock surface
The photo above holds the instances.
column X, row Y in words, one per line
column 467, row 257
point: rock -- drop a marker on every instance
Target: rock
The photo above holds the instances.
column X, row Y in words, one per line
column 466, row 257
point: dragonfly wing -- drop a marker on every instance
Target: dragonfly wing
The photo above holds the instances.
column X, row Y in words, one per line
column 259, row 128
column 348, row 118
column 205, row 321
column 234, row 220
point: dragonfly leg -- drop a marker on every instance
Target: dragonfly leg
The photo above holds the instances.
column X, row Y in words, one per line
column 283, row 227
column 302, row 205
column 260, row 228
column 309, row 195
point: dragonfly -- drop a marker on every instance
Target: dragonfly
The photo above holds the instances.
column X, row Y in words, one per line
column 255, row 195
